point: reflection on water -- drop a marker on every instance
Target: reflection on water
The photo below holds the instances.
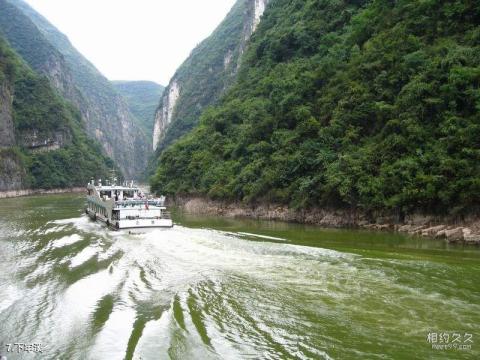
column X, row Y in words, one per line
column 226, row 289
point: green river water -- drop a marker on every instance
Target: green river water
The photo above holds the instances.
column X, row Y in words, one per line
column 213, row 288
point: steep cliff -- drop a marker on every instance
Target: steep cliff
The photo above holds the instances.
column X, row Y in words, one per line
column 206, row 74
column 12, row 173
column 104, row 112
column 142, row 100
column 42, row 141
column 7, row 135
column 369, row 105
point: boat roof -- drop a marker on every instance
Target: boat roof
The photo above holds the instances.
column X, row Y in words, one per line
column 115, row 187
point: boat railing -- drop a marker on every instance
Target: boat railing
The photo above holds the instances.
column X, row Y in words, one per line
column 165, row 215
column 136, row 202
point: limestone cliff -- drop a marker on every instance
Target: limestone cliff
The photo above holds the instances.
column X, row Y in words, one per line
column 164, row 118
column 206, row 74
column 11, row 170
column 7, row 135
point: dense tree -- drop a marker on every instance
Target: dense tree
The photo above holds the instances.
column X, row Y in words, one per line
column 367, row 104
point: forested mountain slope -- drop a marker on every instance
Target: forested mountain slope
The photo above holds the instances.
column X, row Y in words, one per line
column 103, row 111
column 206, row 74
column 142, row 100
column 366, row 104
column 42, row 140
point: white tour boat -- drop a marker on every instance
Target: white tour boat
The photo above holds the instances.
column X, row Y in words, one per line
column 125, row 207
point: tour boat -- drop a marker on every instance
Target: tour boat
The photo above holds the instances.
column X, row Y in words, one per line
column 125, row 207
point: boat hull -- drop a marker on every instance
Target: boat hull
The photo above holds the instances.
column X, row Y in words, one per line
column 144, row 223
column 127, row 224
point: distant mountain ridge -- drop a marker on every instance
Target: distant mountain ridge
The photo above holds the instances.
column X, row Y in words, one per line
column 104, row 111
column 142, row 100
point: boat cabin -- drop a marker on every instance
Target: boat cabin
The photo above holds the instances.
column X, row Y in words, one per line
column 125, row 206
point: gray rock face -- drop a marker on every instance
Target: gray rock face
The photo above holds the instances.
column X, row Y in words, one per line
column 164, row 115
column 472, row 238
column 432, row 231
column 55, row 140
column 12, row 173
column 206, row 74
column 7, row 131
column 454, row 235
column 104, row 112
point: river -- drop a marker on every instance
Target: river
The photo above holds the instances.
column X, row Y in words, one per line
column 213, row 288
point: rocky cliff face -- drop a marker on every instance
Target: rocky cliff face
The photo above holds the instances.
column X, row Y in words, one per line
column 11, row 171
column 206, row 74
column 104, row 112
column 259, row 8
column 164, row 117
column 7, row 135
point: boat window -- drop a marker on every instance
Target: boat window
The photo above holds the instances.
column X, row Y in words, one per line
column 106, row 193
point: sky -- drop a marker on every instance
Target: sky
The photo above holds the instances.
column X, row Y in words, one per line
column 135, row 39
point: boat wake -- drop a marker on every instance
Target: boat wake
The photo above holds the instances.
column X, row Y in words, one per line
column 88, row 292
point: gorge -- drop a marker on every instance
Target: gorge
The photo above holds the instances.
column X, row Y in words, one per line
column 320, row 161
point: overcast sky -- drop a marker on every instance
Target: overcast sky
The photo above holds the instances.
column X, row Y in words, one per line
column 135, row 39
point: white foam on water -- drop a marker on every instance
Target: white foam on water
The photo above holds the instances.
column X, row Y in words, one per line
column 156, row 337
column 53, row 229
column 64, row 221
column 191, row 256
column 66, row 240
column 84, row 223
column 72, row 313
column 8, row 296
column 112, row 341
column 83, row 256
column 260, row 236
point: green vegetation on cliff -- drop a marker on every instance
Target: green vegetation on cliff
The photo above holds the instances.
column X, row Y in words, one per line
column 142, row 100
column 366, row 104
column 104, row 112
column 40, row 115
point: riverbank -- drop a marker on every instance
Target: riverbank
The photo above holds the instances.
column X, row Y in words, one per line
column 29, row 192
column 452, row 229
